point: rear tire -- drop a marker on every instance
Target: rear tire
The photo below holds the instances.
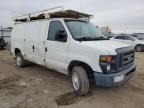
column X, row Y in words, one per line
column 20, row 60
column 139, row 48
column 80, row 80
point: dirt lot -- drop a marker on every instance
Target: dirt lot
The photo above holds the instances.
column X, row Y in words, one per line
column 38, row 87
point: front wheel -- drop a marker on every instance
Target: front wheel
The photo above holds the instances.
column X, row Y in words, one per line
column 139, row 48
column 80, row 80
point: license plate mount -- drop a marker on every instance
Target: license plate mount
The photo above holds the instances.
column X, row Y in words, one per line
column 118, row 78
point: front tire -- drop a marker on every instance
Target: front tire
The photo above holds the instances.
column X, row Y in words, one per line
column 139, row 48
column 20, row 60
column 80, row 80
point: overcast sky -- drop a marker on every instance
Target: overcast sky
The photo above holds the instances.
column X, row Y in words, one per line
column 121, row 15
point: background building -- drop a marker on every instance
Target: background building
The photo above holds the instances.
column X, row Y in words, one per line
column 5, row 33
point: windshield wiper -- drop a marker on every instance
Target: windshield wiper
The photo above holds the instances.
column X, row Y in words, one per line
column 84, row 38
column 91, row 38
column 101, row 38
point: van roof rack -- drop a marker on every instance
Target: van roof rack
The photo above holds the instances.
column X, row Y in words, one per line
column 56, row 12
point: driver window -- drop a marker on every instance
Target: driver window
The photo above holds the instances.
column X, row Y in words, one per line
column 54, row 27
column 119, row 37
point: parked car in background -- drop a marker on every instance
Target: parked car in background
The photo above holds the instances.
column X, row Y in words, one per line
column 137, row 43
column 138, row 37
column 2, row 43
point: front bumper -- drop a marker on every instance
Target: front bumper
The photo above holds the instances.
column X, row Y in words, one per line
column 109, row 79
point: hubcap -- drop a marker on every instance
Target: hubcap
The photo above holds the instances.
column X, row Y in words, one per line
column 18, row 61
column 138, row 48
column 75, row 81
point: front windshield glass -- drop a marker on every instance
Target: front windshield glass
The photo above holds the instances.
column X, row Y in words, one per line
column 81, row 29
column 140, row 38
column 136, row 37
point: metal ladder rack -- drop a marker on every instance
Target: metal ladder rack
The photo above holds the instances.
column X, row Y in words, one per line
column 38, row 15
column 56, row 12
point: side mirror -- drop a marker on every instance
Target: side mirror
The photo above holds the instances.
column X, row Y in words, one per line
column 61, row 36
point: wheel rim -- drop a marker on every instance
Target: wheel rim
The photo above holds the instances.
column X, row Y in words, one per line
column 18, row 61
column 138, row 48
column 75, row 81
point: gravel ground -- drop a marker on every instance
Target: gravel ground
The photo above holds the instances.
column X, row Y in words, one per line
column 37, row 87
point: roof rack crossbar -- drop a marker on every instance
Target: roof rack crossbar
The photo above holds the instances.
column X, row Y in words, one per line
column 54, row 9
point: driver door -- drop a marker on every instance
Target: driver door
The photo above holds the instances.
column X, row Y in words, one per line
column 56, row 50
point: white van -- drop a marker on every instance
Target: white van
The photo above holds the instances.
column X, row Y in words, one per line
column 73, row 47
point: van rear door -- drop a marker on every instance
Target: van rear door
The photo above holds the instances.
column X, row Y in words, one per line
column 34, row 41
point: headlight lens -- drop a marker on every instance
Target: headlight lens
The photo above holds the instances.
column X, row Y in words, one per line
column 108, row 63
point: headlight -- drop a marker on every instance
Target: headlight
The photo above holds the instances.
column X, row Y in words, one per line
column 106, row 58
column 108, row 63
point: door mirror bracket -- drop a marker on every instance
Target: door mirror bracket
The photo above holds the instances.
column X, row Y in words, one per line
column 61, row 36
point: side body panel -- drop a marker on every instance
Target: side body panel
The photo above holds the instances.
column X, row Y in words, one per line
column 29, row 38
column 17, row 39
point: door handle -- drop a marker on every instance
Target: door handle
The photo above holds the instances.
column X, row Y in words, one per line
column 33, row 48
column 45, row 49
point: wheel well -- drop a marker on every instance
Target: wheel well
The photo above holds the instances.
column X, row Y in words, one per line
column 17, row 51
column 84, row 65
column 138, row 45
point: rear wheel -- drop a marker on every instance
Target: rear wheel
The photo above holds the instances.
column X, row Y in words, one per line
column 80, row 80
column 20, row 60
column 139, row 48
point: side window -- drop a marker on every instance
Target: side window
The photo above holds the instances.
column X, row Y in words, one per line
column 119, row 37
column 54, row 28
column 129, row 38
column 124, row 37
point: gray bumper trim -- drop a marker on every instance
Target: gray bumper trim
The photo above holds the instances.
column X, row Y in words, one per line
column 108, row 79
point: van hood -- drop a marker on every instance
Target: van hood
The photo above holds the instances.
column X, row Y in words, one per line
column 106, row 46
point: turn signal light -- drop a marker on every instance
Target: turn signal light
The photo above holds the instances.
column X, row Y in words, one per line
column 106, row 58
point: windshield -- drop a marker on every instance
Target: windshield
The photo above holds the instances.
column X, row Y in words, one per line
column 139, row 38
column 83, row 30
